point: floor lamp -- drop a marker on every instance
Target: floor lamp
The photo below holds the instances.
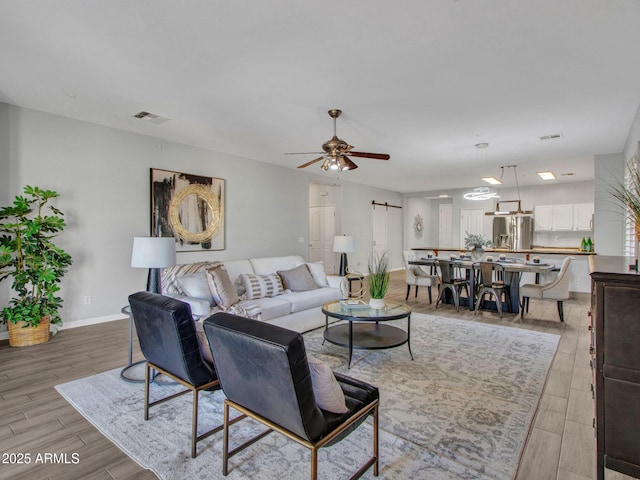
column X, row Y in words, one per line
column 343, row 244
column 153, row 253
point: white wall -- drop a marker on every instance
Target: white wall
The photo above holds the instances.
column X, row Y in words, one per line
column 609, row 215
column 102, row 175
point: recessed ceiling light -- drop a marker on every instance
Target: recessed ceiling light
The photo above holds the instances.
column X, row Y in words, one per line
column 443, row 196
column 492, row 180
column 547, row 175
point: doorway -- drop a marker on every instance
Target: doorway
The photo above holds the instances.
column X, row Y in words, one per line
column 324, row 222
column 471, row 221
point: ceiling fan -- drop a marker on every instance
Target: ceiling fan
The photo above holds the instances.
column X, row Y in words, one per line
column 336, row 152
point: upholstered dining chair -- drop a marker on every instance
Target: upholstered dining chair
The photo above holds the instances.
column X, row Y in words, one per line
column 491, row 282
column 167, row 336
column 417, row 276
column 448, row 281
column 265, row 374
column 557, row 289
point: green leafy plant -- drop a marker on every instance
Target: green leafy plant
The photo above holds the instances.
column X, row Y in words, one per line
column 29, row 256
column 628, row 193
column 472, row 240
column 378, row 276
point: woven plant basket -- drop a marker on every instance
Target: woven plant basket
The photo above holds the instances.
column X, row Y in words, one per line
column 24, row 337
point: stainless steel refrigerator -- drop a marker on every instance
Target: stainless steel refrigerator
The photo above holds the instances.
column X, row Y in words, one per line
column 513, row 232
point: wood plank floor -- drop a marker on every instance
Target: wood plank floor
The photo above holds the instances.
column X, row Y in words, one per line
column 35, row 419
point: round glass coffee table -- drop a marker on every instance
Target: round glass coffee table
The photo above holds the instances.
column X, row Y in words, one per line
column 364, row 329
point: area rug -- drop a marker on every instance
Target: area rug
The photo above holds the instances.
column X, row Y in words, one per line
column 461, row 409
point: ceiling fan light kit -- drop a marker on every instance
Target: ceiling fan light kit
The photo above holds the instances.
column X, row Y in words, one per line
column 337, row 152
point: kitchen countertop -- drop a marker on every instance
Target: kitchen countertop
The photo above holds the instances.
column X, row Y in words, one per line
column 531, row 251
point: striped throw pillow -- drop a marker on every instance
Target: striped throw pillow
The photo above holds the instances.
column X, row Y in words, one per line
column 259, row 286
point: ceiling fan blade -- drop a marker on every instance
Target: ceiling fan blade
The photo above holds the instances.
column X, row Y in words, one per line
column 375, row 156
column 304, row 153
column 310, row 163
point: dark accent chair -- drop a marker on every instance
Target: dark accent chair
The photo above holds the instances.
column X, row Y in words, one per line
column 264, row 374
column 167, row 336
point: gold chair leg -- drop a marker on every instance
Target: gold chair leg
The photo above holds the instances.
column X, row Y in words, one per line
column 194, row 424
column 147, row 370
column 314, row 463
column 375, row 441
column 225, row 440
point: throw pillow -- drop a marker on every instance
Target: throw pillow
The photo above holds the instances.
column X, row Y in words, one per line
column 222, row 289
column 318, row 273
column 260, row 286
column 326, row 389
column 297, row 279
column 196, row 286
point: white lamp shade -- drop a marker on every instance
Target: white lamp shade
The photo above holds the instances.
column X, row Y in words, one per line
column 153, row 252
column 343, row 244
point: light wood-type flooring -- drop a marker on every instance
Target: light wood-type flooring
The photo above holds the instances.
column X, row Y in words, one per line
column 35, row 419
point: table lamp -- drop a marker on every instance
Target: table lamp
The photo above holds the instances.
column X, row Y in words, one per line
column 343, row 244
column 153, row 253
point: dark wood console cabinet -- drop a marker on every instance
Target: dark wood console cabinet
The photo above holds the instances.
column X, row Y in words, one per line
column 615, row 360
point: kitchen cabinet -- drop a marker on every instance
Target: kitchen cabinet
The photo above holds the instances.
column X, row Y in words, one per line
column 543, row 218
column 583, row 217
column 615, row 363
column 564, row 218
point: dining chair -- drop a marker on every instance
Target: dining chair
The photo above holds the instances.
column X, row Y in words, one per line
column 417, row 276
column 448, row 281
column 557, row 289
column 491, row 282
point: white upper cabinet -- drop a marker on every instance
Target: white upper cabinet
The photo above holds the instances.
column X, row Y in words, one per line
column 543, row 218
column 583, row 217
column 564, row 218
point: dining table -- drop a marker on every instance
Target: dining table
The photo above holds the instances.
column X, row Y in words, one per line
column 513, row 270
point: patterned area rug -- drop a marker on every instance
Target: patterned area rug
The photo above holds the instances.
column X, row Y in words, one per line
column 461, row 409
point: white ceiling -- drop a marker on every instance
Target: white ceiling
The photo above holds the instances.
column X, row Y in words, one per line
column 422, row 80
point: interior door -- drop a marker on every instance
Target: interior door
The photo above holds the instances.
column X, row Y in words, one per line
column 445, row 225
column 378, row 230
column 321, row 233
column 471, row 221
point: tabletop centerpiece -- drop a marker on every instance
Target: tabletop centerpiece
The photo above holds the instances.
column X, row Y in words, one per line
column 475, row 243
column 378, row 280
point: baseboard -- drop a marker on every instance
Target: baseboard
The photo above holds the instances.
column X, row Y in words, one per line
column 4, row 335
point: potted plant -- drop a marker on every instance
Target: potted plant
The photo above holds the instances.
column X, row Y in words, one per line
column 628, row 193
column 378, row 280
column 476, row 243
column 29, row 257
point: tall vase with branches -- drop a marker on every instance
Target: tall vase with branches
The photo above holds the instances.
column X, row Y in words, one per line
column 628, row 194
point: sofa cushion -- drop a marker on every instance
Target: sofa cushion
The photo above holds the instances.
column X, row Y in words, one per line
column 311, row 298
column 259, row 286
column 222, row 289
column 267, row 265
column 197, row 286
column 326, row 389
column 273, row 307
column 318, row 273
column 170, row 275
column 298, row 279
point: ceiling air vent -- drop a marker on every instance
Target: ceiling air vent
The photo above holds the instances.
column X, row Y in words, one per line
column 551, row 137
column 151, row 117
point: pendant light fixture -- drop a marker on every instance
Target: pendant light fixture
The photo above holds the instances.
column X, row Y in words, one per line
column 519, row 211
column 483, row 193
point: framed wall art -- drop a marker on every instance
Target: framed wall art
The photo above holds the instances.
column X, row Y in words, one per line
column 189, row 208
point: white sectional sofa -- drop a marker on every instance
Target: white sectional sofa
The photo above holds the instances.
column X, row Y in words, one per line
column 292, row 308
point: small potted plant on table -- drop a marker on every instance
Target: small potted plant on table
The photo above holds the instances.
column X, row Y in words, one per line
column 476, row 243
column 378, row 280
column 36, row 266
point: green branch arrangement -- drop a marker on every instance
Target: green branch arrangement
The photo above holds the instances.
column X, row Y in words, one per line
column 629, row 194
column 379, row 276
column 472, row 240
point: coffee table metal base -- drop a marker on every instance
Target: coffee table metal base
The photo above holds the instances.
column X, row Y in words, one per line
column 366, row 336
